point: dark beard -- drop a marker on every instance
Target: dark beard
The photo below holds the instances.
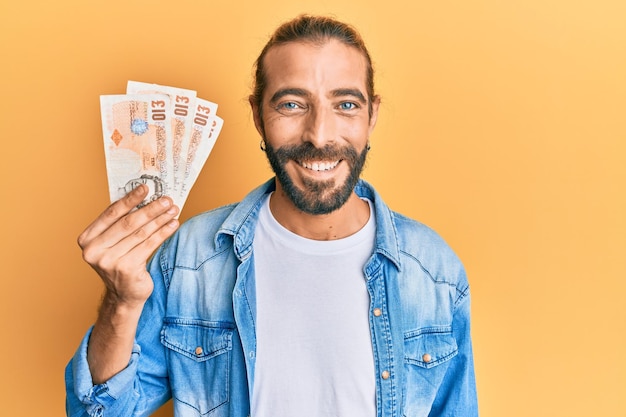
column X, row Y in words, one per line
column 317, row 197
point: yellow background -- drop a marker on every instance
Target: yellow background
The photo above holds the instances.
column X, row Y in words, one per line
column 503, row 126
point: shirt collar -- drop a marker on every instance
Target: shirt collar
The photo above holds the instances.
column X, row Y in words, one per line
column 241, row 222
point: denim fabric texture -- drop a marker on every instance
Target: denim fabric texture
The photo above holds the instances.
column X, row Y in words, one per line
column 196, row 340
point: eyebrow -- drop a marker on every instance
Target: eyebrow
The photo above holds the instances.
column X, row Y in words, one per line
column 288, row 92
column 300, row 92
column 353, row 92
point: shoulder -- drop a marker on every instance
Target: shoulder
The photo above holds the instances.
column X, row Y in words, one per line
column 208, row 221
column 423, row 246
column 412, row 245
column 212, row 233
column 419, row 240
column 195, row 241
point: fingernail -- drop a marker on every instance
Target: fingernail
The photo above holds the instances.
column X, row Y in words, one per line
column 165, row 202
column 172, row 210
column 173, row 224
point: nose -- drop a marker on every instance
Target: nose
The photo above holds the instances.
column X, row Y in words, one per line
column 319, row 127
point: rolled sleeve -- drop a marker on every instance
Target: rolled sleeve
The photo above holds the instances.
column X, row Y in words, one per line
column 85, row 398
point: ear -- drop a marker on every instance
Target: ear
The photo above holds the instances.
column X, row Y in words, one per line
column 374, row 116
column 256, row 115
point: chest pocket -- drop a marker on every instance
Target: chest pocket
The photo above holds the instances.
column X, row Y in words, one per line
column 429, row 347
column 199, row 355
column 427, row 353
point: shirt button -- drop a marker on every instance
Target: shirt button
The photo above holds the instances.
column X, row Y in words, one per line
column 377, row 312
column 426, row 358
column 385, row 374
column 199, row 351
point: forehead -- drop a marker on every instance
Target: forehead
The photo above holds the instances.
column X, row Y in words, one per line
column 318, row 68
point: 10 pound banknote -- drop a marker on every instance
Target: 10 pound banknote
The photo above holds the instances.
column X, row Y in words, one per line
column 159, row 136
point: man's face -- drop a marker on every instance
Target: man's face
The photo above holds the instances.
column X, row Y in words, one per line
column 315, row 121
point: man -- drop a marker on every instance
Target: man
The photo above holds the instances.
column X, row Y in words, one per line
column 310, row 297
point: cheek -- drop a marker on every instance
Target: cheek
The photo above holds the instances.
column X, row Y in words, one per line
column 355, row 131
column 280, row 128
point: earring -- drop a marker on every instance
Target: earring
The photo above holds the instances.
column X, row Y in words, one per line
column 262, row 145
column 368, row 146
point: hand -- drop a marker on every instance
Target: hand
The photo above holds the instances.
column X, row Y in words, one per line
column 119, row 242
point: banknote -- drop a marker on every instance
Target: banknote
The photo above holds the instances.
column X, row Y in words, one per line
column 205, row 131
column 157, row 135
column 182, row 103
column 135, row 130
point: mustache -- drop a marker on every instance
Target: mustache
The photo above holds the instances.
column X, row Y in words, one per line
column 307, row 152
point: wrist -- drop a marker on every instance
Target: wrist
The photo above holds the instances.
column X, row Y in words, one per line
column 119, row 313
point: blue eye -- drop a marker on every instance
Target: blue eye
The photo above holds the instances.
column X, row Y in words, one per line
column 289, row 108
column 347, row 105
column 290, row 105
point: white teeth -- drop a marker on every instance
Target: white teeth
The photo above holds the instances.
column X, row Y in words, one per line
column 320, row 166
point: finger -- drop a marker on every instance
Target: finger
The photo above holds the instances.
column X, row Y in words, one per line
column 144, row 248
column 106, row 252
column 130, row 223
column 147, row 236
column 112, row 214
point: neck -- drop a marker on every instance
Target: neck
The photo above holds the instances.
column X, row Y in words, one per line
column 343, row 222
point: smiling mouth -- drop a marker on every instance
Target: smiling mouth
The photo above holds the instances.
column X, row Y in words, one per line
column 319, row 165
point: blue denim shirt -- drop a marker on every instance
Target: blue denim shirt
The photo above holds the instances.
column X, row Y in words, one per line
column 196, row 340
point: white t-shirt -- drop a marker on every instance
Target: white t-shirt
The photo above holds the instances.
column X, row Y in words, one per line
column 314, row 350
